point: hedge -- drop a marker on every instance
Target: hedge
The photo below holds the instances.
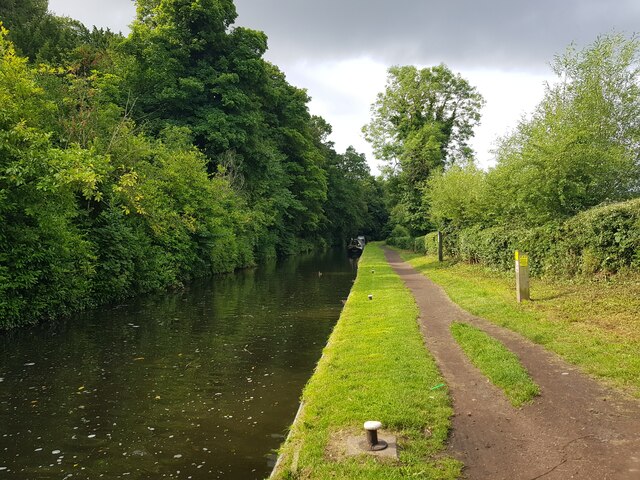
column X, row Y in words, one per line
column 406, row 243
column 415, row 244
column 602, row 240
column 431, row 243
column 419, row 245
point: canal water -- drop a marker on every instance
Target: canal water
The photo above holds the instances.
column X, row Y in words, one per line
column 199, row 384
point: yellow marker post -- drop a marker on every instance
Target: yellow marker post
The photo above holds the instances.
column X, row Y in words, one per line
column 522, row 276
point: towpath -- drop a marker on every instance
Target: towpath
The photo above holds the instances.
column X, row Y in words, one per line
column 576, row 428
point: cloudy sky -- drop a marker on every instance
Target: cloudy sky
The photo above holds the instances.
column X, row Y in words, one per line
column 339, row 50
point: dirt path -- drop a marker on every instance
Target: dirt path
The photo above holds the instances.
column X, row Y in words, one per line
column 575, row 429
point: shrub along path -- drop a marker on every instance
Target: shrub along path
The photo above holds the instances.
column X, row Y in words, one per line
column 576, row 428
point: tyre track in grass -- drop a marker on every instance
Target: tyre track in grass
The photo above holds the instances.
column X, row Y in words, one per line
column 576, row 428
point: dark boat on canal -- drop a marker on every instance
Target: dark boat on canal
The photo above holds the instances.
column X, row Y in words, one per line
column 356, row 246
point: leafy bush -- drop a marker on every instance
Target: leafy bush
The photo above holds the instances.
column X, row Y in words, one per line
column 80, row 227
column 491, row 246
column 406, row 243
column 400, row 231
column 92, row 210
column 604, row 239
column 458, row 196
column 415, row 244
column 577, row 150
column 431, row 243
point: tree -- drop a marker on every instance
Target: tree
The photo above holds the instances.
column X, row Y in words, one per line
column 581, row 147
column 130, row 165
column 347, row 203
column 23, row 19
column 424, row 116
column 457, row 198
column 178, row 69
column 45, row 260
column 422, row 122
column 47, row 38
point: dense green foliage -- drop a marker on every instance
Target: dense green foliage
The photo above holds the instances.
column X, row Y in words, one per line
column 458, row 198
column 44, row 37
column 579, row 149
column 430, row 244
column 116, row 216
column 420, row 124
column 407, row 243
column 603, row 239
column 134, row 164
column 186, row 67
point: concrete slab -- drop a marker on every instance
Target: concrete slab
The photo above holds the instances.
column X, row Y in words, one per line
column 353, row 446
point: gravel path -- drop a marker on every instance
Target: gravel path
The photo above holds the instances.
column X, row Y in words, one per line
column 576, row 428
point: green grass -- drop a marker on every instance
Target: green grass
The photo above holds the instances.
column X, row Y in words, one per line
column 375, row 367
column 496, row 362
column 594, row 325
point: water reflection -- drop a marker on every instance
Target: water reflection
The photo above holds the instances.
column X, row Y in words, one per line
column 200, row 384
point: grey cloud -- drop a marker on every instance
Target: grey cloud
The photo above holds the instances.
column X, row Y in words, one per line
column 505, row 34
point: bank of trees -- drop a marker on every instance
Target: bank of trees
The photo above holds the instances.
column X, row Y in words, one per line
column 129, row 164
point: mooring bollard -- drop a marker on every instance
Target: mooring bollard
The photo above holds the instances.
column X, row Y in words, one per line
column 373, row 443
column 522, row 276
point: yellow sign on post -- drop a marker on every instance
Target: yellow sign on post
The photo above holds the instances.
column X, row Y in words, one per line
column 522, row 276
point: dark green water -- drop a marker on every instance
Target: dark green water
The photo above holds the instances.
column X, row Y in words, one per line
column 194, row 385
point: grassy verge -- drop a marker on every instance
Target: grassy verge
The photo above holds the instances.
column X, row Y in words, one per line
column 375, row 367
column 496, row 362
column 594, row 325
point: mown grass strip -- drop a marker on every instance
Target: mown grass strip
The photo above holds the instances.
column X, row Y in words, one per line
column 501, row 366
column 595, row 326
column 375, row 367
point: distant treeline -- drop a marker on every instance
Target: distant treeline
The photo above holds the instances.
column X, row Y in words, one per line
column 137, row 163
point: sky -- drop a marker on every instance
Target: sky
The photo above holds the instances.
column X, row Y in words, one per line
column 340, row 50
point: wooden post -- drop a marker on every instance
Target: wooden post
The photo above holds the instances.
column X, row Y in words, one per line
column 439, row 246
column 522, row 276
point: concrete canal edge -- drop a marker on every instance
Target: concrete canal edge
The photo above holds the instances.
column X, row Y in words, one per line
column 298, row 417
column 280, row 457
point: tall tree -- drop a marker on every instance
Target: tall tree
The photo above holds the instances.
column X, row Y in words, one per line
column 347, row 203
column 422, row 122
column 46, row 38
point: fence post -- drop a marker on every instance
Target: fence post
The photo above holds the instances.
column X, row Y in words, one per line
column 439, row 246
column 522, row 276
